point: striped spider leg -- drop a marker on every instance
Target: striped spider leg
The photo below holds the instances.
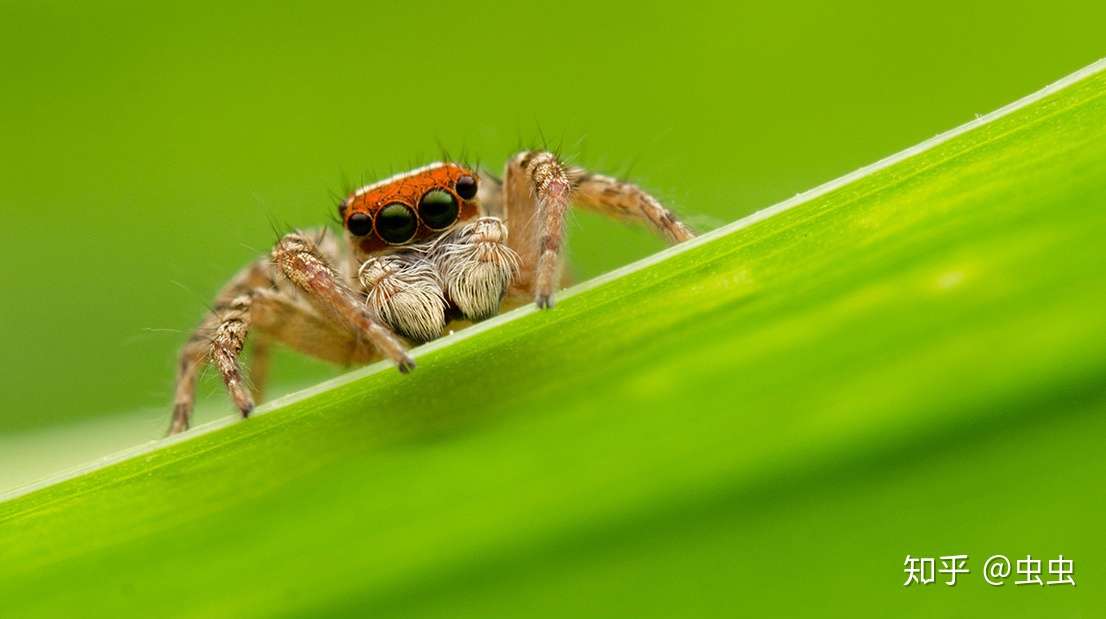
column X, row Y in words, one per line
column 537, row 192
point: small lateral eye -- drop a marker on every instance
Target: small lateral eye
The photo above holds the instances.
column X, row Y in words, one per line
column 396, row 223
column 359, row 224
column 466, row 187
column 438, row 209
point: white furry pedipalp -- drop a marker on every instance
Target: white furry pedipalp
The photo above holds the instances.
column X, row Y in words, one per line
column 405, row 292
column 476, row 265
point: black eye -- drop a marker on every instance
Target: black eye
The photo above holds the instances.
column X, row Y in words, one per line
column 396, row 223
column 360, row 224
column 466, row 187
column 438, row 209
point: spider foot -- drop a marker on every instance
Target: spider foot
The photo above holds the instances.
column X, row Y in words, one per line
column 179, row 424
column 405, row 364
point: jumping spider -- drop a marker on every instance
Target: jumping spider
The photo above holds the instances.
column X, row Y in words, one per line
column 423, row 248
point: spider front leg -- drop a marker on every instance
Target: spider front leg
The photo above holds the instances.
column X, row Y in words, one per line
column 332, row 324
column 538, row 190
column 476, row 265
column 302, row 263
column 231, row 324
column 219, row 339
column 537, row 194
column 627, row 201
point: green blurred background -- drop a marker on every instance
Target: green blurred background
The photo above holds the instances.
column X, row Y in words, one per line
column 147, row 147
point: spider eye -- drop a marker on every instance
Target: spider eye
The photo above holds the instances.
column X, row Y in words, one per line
column 466, row 187
column 438, row 209
column 396, row 223
column 359, row 224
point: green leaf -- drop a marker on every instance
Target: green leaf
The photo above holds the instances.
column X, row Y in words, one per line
column 764, row 422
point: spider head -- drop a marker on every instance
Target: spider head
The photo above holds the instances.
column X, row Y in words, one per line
column 411, row 208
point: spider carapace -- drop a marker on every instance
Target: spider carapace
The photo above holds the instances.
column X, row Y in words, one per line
column 412, row 208
column 423, row 248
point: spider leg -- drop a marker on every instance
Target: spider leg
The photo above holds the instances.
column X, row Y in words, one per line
column 193, row 357
column 230, row 337
column 260, row 353
column 270, row 315
column 536, row 193
column 231, row 322
column 281, row 317
column 299, row 259
column 623, row 200
column 200, row 347
column 310, row 309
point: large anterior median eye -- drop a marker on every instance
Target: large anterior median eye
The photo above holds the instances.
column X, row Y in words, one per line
column 396, row 223
column 438, row 209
